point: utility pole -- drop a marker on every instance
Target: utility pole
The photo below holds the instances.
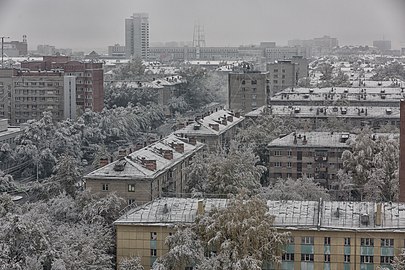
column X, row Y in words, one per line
column 2, row 51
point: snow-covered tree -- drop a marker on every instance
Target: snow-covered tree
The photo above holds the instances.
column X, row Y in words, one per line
column 301, row 189
column 133, row 263
column 399, row 262
column 240, row 236
column 185, row 250
column 7, row 183
column 373, row 165
column 225, row 173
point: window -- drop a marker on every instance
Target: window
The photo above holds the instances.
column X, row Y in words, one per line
column 153, row 252
column 386, row 259
column 366, row 259
column 327, row 240
column 288, row 257
column 131, row 188
column 346, row 258
column 276, row 70
column 307, row 240
column 290, row 240
column 289, row 164
column 347, row 241
column 275, row 81
column 289, row 153
column 277, row 153
column 254, row 96
column 254, row 81
column 326, row 258
column 387, row 242
column 368, row 242
column 105, row 187
column 131, row 201
column 277, row 164
column 153, row 236
column 307, row 257
column 243, row 82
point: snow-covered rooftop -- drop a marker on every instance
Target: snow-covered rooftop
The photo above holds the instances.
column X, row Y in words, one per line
column 214, row 124
column 331, row 215
column 365, row 94
column 314, row 139
column 134, row 163
column 336, row 111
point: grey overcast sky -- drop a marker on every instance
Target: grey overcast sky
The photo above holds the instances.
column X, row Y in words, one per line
column 88, row 24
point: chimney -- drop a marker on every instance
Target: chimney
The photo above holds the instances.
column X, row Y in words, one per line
column 192, row 140
column 150, row 164
column 179, row 147
column 121, row 153
column 200, row 207
column 214, row 126
column 237, row 114
column 378, row 215
column 168, row 154
column 402, row 153
column 103, row 162
column 224, row 122
column 229, row 118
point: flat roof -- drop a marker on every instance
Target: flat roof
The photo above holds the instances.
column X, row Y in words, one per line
column 295, row 215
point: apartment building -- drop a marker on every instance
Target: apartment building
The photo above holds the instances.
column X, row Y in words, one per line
column 314, row 154
column 282, row 53
column 89, row 79
column 146, row 173
column 215, row 129
column 116, row 51
column 282, row 74
column 340, row 96
column 248, row 90
column 26, row 94
column 137, row 36
column 7, row 136
column 324, row 235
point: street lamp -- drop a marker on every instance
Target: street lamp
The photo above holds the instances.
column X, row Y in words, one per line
column 2, row 51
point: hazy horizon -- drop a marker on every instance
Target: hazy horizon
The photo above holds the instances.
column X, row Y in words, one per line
column 96, row 24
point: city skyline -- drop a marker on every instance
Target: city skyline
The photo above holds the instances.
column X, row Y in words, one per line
column 95, row 24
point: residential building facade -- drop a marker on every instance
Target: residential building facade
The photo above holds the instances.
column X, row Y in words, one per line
column 27, row 94
column 248, row 90
column 313, row 154
column 89, row 79
column 324, row 235
column 137, row 36
column 147, row 173
column 215, row 129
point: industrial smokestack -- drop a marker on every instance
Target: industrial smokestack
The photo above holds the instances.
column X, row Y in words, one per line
column 402, row 153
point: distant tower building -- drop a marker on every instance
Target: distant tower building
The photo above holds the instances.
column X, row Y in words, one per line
column 198, row 38
column 137, row 36
column 69, row 97
column 382, row 45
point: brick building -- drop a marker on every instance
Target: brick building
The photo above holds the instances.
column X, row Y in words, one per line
column 215, row 129
column 146, row 173
column 248, row 90
column 314, row 154
column 89, row 79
